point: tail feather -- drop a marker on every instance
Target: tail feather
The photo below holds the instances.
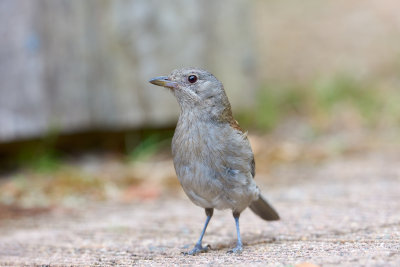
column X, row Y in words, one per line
column 264, row 210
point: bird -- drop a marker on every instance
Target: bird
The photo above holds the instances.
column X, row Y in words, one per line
column 212, row 155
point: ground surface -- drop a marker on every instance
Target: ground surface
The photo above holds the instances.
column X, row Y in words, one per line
column 342, row 212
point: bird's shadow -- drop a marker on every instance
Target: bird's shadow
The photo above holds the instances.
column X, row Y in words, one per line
column 248, row 241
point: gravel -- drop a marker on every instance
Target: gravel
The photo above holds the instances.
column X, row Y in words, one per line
column 342, row 212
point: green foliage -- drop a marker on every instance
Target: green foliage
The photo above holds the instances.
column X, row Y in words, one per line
column 344, row 90
column 41, row 157
column 148, row 145
column 321, row 99
column 274, row 102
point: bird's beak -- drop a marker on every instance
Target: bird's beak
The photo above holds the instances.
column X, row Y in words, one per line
column 164, row 81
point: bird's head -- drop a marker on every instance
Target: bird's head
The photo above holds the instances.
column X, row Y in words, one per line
column 195, row 89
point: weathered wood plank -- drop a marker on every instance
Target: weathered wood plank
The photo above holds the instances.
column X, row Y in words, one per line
column 77, row 65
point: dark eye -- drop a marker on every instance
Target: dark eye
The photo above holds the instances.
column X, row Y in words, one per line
column 192, row 78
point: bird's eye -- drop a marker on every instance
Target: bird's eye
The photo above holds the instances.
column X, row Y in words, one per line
column 192, row 78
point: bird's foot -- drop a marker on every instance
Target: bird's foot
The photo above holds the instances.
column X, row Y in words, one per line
column 237, row 250
column 198, row 248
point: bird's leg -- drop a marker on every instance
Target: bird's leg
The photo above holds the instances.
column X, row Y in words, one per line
column 239, row 246
column 198, row 248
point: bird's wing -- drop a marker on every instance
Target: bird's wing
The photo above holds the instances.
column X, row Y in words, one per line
column 253, row 167
column 235, row 125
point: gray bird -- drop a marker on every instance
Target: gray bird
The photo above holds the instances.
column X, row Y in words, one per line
column 212, row 155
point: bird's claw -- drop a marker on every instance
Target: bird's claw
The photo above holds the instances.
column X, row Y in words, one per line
column 197, row 249
column 237, row 250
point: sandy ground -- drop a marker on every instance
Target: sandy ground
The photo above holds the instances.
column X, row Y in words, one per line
column 344, row 212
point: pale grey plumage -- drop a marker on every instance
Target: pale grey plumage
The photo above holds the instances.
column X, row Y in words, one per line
column 212, row 162
column 212, row 155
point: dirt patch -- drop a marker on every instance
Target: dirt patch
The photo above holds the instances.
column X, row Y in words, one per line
column 8, row 212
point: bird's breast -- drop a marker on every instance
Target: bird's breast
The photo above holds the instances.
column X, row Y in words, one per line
column 196, row 140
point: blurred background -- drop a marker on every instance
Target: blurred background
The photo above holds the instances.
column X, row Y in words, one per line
column 310, row 80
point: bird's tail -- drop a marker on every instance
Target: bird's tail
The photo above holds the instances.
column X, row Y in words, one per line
column 263, row 209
